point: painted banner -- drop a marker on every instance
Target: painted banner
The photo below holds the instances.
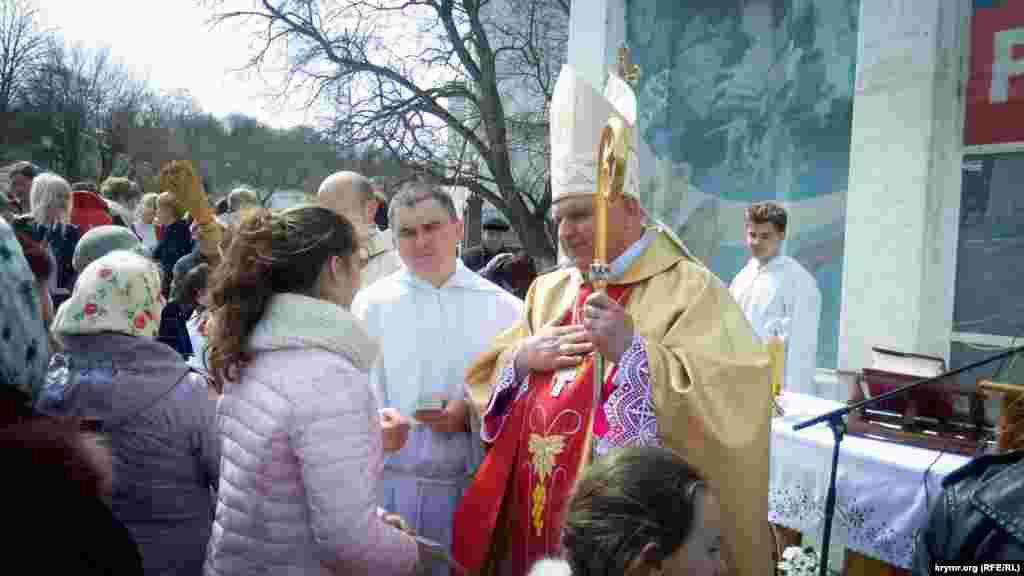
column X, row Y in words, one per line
column 748, row 100
column 995, row 87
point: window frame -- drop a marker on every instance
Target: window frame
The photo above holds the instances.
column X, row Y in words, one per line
column 982, row 340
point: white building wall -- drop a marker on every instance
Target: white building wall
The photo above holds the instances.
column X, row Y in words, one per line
column 902, row 209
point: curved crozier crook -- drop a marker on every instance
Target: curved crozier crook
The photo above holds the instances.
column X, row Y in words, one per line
column 612, row 159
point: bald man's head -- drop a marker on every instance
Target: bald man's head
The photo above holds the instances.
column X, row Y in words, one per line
column 349, row 194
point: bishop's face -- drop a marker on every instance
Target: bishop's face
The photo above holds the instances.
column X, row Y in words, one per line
column 576, row 222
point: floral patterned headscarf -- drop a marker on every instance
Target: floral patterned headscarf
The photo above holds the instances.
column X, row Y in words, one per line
column 120, row 293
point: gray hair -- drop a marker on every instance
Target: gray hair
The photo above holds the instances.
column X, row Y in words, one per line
column 413, row 193
column 240, row 198
column 43, row 195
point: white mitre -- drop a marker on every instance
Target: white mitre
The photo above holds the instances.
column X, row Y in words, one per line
column 578, row 115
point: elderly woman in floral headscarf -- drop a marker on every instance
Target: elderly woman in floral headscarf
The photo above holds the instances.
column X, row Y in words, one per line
column 156, row 413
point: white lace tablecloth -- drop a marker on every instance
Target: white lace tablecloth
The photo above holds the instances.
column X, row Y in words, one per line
column 881, row 494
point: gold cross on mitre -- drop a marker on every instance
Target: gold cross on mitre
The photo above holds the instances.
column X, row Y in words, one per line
column 625, row 67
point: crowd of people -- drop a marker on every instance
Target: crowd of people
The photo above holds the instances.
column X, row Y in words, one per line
column 320, row 394
column 269, row 456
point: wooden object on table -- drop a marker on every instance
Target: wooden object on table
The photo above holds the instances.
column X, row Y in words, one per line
column 857, row 564
column 784, row 538
column 1010, row 430
column 925, row 417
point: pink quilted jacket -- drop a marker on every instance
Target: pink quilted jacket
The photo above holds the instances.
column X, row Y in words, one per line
column 301, row 452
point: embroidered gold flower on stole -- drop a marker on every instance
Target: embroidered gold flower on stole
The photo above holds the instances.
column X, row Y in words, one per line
column 543, row 450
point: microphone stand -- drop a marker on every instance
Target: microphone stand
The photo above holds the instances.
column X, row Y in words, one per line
column 838, row 425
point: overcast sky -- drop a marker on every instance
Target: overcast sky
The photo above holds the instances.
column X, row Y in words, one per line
column 169, row 42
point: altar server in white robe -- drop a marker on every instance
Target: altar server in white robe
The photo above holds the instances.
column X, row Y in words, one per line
column 432, row 318
column 779, row 296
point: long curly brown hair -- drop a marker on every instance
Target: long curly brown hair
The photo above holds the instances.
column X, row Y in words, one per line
column 269, row 254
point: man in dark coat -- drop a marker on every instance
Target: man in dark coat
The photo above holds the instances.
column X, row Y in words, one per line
column 477, row 257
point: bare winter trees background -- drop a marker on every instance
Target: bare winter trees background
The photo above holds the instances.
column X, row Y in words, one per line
column 86, row 115
column 457, row 89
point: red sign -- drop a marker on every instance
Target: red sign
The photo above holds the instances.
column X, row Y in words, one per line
column 995, row 88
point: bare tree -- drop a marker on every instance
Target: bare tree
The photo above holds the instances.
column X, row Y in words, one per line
column 22, row 48
column 429, row 81
column 83, row 92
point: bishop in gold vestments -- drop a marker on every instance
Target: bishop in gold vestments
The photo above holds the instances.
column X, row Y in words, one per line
column 685, row 371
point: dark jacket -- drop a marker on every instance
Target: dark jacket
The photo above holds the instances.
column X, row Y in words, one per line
column 979, row 515
column 175, row 243
column 159, row 421
column 174, row 328
column 187, row 263
column 477, row 257
column 62, row 240
column 59, row 489
column 514, row 272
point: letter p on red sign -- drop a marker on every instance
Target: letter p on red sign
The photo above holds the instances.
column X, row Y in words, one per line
column 995, row 88
column 1004, row 64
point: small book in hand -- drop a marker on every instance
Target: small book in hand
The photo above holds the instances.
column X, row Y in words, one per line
column 429, row 407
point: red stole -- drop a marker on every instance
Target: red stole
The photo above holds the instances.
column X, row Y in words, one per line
column 524, row 483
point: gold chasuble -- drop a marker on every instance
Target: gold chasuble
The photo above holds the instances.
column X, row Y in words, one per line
column 710, row 383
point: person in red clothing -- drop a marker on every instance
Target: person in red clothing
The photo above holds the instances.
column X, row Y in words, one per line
column 88, row 209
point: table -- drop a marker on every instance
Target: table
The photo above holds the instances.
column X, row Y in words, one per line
column 883, row 490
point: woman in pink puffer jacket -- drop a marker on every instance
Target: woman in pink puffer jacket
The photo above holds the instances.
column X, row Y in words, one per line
column 301, row 440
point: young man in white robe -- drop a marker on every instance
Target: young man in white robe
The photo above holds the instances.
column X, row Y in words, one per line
column 351, row 195
column 432, row 318
column 779, row 296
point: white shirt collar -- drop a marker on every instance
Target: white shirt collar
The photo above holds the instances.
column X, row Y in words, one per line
column 463, row 277
column 625, row 260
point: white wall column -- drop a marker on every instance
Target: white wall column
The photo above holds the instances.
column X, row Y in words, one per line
column 902, row 207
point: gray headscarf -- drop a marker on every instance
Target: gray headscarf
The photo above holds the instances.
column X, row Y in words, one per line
column 24, row 346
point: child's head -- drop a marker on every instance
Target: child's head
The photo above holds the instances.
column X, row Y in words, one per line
column 641, row 511
column 167, row 209
column 191, row 289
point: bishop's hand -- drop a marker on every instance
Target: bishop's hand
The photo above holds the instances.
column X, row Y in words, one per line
column 607, row 325
column 553, row 348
